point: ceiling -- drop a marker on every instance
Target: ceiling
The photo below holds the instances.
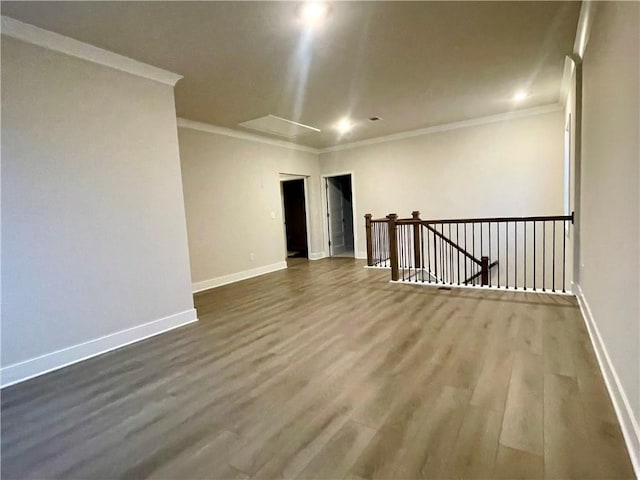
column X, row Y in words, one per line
column 415, row 64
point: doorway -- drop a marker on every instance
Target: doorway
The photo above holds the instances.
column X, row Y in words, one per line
column 295, row 218
column 340, row 215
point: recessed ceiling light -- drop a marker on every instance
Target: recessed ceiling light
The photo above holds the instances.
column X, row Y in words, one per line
column 344, row 126
column 312, row 13
column 520, row 96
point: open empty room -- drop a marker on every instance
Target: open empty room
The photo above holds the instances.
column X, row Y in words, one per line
column 328, row 240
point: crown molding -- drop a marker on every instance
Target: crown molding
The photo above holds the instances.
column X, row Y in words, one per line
column 528, row 112
column 585, row 19
column 565, row 84
column 69, row 46
column 228, row 132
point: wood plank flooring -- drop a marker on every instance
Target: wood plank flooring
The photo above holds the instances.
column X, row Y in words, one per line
column 328, row 371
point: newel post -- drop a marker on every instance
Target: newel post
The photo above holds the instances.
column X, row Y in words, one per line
column 367, row 226
column 416, row 239
column 393, row 246
column 484, row 268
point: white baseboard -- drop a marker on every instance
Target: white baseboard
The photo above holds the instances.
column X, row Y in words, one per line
column 34, row 367
column 626, row 417
column 236, row 277
column 319, row 255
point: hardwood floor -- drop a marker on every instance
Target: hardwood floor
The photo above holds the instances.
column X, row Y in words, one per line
column 328, row 371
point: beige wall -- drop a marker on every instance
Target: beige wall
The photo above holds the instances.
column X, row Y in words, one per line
column 232, row 186
column 610, row 262
column 93, row 226
column 512, row 167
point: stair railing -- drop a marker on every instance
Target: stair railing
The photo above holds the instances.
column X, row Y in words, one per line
column 528, row 253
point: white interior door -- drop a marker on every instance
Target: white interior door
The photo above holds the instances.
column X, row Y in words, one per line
column 335, row 211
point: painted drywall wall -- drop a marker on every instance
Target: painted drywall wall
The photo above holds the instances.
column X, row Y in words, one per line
column 511, row 167
column 234, row 205
column 610, row 261
column 93, row 227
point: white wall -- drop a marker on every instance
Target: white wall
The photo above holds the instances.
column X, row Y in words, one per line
column 93, row 226
column 511, row 167
column 610, row 239
column 231, row 187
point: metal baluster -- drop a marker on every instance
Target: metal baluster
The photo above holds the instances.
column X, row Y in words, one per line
column 498, row 234
column 450, row 250
column 381, row 249
column 377, row 255
column 408, row 239
column 515, row 255
column 387, row 248
column 544, row 254
column 382, row 256
column 443, row 254
column 506, row 270
column 377, row 243
column 407, row 264
column 377, row 247
column 404, row 252
column 564, row 252
column 401, row 234
column 481, row 245
column 525, row 255
column 458, row 249
column 404, row 248
column 422, row 249
column 415, row 260
column 385, row 253
column 380, row 245
column 442, row 272
column 450, row 257
column 464, row 226
column 435, row 255
column 473, row 241
column 490, row 245
column 553, row 266
column 428, row 256
column 534, row 256
column 399, row 243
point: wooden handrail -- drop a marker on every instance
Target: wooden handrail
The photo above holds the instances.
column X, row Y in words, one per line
column 548, row 218
column 544, row 218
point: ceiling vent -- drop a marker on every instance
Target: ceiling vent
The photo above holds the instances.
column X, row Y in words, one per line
column 278, row 126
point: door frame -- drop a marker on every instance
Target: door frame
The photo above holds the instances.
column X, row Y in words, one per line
column 285, row 177
column 325, row 225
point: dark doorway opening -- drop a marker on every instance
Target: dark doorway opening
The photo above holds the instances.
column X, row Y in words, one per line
column 340, row 216
column 295, row 218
